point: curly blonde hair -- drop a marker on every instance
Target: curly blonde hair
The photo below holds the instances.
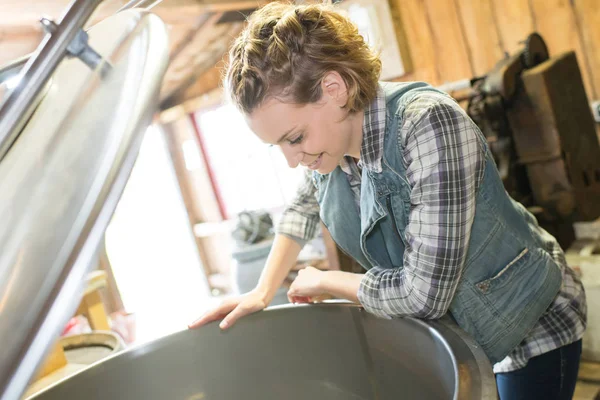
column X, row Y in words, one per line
column 286, row 50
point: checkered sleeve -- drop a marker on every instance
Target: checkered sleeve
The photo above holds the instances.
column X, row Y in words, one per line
column 445, row 159
column 300, row 219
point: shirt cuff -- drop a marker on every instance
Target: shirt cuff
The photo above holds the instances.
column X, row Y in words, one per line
column 297, row 225
column 368, row 293
column 301, row 241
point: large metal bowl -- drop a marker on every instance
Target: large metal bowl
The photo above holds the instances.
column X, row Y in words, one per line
column 327, row 351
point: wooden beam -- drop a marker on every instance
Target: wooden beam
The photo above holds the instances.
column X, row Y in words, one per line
column 177, row 95
column 207, row 82
column 9, row 32
column 172, row 133
column 214, row 51
column 185, row 62
column 557, row 23
column 449, row 43
column 212, row 5
column 187, row 39
column 514, row 21
column 413, row 17
column 481, row 35
column 21, row 32
column 588, row 20
column 208, row 100
column 54, row 361
column 13, row 49
column 182, row 17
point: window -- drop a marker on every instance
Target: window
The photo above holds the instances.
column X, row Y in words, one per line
column 250, row 174
column 151, row 247
column 374, row 22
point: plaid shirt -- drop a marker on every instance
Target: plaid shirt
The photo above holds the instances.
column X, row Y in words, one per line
column 444, row 162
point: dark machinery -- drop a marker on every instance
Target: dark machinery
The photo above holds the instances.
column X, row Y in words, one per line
column 535, row 114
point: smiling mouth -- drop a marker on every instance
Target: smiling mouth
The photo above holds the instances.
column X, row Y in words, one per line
column 315, row 164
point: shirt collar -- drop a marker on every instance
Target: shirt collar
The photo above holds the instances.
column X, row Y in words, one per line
column 371, row 151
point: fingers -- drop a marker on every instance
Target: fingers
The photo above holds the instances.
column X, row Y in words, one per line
column 299, row 299
column 291, row 295
column 237, row 313
column 295, row 297
column 214, row 314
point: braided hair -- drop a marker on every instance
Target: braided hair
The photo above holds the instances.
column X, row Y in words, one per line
column 286, row 50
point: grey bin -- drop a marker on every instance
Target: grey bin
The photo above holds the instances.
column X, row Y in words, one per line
column 249, row 262
column 306, row 352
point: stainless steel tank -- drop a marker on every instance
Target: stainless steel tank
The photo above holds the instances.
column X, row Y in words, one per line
column 62, row 177
column 326, row 352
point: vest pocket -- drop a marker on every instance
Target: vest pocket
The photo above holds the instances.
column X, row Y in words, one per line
column 503, row 276
column 499, row 311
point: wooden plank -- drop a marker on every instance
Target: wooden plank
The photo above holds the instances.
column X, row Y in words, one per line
column 198, row 63
column 413, row 16
column 207, row 82
column 18, row 40
column 197, row 44
column 184, row 15
column 29, row 13
column 55, row 360
column 401, row 38
column 483, row 40
column 179, row 41
column 556, row 22
column 588, row 20
column 112, row 296
column 93, row 309
column 13, row 49
column 453, row 58
column 173, row 133
column 213, row 5
column 209, row 100
column 514, row 22
column 95, row 280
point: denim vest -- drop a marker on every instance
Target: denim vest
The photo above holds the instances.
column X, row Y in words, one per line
column 509, row 279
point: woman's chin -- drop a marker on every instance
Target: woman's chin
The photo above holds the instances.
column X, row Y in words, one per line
column 326, row 169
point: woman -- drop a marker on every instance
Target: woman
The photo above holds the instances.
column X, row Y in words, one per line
column 406, row 185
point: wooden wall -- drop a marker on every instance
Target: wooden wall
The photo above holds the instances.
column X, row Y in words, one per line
column 455, row 39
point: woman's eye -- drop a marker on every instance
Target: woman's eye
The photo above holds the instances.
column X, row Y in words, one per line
column 298, row 140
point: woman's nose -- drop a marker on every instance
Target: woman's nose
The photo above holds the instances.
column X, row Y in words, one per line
column 292, row 156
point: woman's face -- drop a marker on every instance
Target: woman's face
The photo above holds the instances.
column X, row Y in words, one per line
column 317, row 135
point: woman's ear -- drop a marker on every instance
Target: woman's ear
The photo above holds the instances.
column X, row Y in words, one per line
column 334, row 87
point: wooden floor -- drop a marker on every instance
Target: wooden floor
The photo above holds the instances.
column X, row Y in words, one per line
column 589, row 381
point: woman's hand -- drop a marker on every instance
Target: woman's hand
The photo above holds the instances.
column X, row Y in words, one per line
column 233, row 309
column 306, row 286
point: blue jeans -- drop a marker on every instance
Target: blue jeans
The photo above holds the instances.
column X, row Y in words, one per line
column 550, row 376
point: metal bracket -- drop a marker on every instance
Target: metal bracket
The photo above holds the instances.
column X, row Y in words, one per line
column 79, row 47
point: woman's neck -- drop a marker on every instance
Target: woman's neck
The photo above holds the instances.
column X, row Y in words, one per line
column 356, row 134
